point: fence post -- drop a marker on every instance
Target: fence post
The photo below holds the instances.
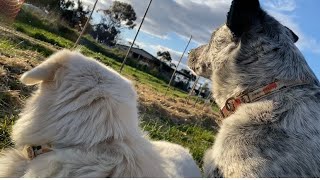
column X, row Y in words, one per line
column 85, row 26
column 125, row 58
column 192, row 89
column 209, row 97
column 174, row 72
column 200, row 89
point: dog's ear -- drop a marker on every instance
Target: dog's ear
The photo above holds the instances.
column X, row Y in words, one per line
column 43, row 72
column 295, row 37
column 242, row 15
column 46, row 71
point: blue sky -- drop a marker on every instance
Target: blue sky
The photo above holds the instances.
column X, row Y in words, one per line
column 169, row 24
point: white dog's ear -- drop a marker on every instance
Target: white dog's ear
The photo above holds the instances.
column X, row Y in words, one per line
column 46, row 71
column 43, row 72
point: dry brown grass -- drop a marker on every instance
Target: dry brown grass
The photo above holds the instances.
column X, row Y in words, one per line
column 14, row 61
column 12, row 92
column 177, row 109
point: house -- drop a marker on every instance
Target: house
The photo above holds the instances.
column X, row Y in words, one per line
column 164, row 69
column 142, row 56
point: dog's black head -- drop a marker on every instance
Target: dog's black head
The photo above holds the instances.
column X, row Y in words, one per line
column 251, row 49
column 245, row 15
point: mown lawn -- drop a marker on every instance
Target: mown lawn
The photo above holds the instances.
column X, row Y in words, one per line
column 194, row 137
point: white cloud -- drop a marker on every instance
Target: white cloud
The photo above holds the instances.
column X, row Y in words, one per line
column 200, row 17
column 305, row 42
column 175, row 55
column 281, row 5
column 139, row 44
column 183, row 17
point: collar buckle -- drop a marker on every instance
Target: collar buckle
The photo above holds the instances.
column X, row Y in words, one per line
column 34, row 151
column 230, row 104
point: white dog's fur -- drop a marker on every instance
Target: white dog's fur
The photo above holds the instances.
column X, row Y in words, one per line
column 88, row 113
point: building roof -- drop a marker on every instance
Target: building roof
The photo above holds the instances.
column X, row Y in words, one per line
column 138, row 51
column 149, row 56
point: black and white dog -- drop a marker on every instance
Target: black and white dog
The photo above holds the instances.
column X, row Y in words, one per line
column 269, row 98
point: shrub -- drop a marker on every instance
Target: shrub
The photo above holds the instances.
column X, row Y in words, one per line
column 44, row 38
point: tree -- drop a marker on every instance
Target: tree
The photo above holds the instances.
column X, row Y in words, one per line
column 70, row 11
column 120, row 14
column 105, row 34
column 74, row 13
column 165, row 55
column 50, row 5
column 118, row 17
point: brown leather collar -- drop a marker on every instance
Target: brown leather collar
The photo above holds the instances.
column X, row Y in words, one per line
column 34, row 151
column 232, row 104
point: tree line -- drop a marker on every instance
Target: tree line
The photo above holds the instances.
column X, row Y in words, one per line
column 114, row 20
column 117, row 17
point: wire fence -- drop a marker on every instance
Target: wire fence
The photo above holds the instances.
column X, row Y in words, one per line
column 9, row 9
column 85, row 26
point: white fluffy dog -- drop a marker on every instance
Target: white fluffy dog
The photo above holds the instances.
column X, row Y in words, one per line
column 83, row 122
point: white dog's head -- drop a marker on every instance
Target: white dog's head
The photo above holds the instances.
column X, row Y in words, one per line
column 79, row 101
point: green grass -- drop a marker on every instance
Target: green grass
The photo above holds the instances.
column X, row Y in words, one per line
column 43, row 35
column 42, row 30
column 5, row 130
column 50, row 23
column 139, row 76
column 9, row 44
column 156, row 84
column 195, row 138
column 6, row 46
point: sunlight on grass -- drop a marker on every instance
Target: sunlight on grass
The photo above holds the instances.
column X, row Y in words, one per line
column 194, row 137
column 6, row 123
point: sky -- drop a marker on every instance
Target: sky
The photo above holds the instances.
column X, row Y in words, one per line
column 170, row 23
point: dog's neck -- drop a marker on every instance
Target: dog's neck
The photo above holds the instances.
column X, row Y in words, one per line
column 232, row 77
column 233, row 103
column 63, row 131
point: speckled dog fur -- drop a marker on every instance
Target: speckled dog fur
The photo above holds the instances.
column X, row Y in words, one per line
column 278, row 136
